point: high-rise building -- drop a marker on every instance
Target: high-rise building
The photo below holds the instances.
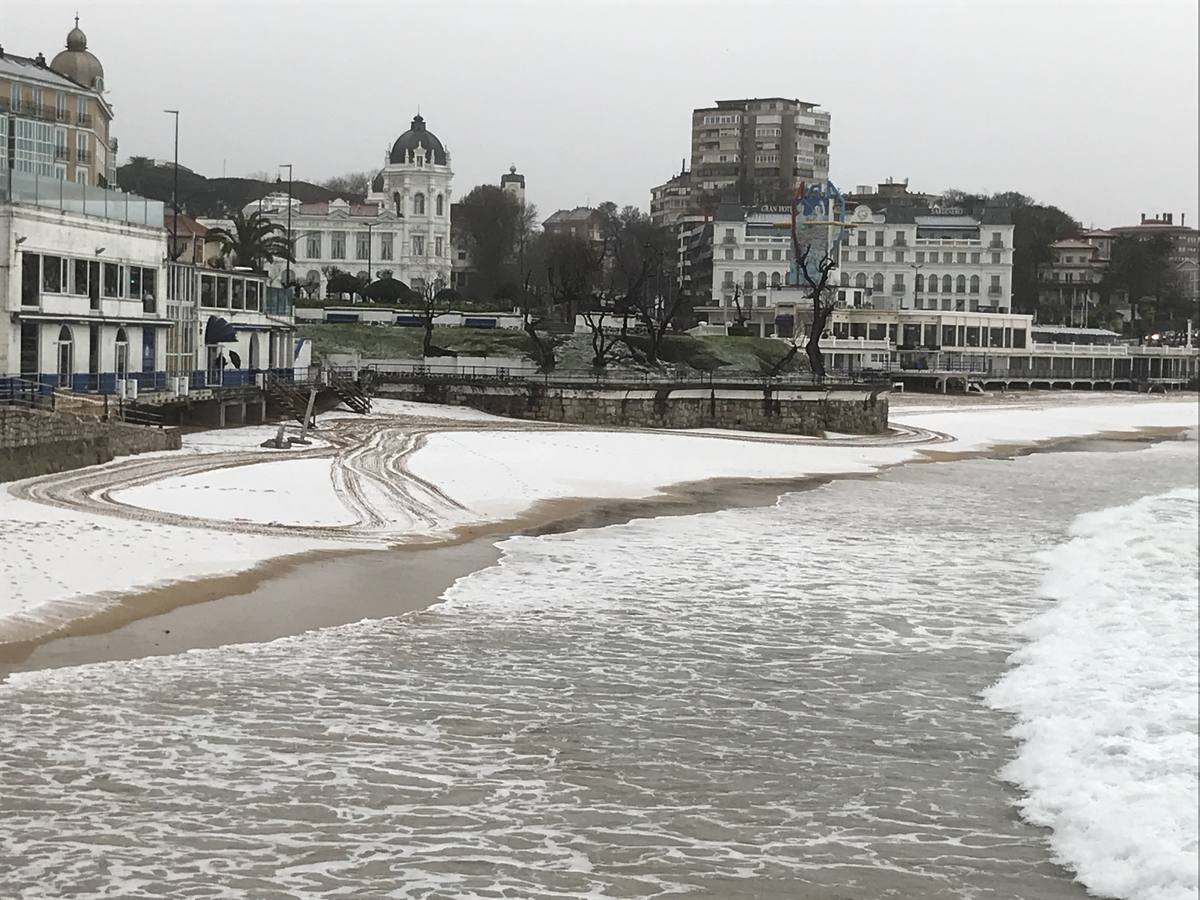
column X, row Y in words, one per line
column 757, row 151
column 58, row 115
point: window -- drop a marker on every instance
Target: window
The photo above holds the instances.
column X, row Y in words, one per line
column 418, row 245
column 441, row 205
column 920, row 256
column 749, row 254
column 974, row 284
column 337, row 249
column 252, row 292
column 385, row 246
column 60, row 144
column 994, row 286
column 762, row 279
column 899, row 256
column 60, row 106
column 879, row 239
column 933, row 284
column 860, row 280
column 208, row 290
column 996, row 239
column 962, row 259
column 418, row 204
column 920, row 283
column 748, row 281
column 14, row 96
column 728, row 235
column 31, row 266
column 81, row 175
column 975, row 258
column 775, row 279
column 729, row 253
column 862, row 239
column 898, row 283
column 862, row 256
column 960, row 284
column 81, row 147
column 877, row 282
column 845, row 279
column 728, row 278
column 762, row 253
column 223, row 293
column 362, row 246
column 437, row 246
column 54, row 274
column 313, row 245
column 112, row 280
column 879, row 256
column 947, row 284
column 239, row 294
column 995, row 259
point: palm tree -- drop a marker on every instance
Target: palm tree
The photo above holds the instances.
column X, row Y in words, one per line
column 253, row 240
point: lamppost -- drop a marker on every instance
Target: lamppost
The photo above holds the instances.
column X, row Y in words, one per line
column 175, row 190
column 916, row 267
column 370, row 248
column 291, row 250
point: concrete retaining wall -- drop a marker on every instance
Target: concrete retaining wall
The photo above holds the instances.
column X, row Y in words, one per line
column 33, row 442
column 807, row 412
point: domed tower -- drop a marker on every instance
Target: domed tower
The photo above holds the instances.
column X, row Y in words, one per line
column 77, row 62
column 514, row 183
column 415, row 185
column 93, row 153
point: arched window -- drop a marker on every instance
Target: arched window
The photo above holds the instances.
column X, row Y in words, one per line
column 845, row 279
column 748, row 281
column 920, row 283
column 762, row 279
column 947, row 284
column 933, row 284
column 775, row 279
column 418, row 204
column 974, row 284
column 960, row 284
column 64, row 335
column 66, row 361
column 441, row 205
column 877, row 283
column 860, row 280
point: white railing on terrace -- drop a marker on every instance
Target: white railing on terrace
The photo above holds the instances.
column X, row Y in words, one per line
column 949, row 242
column 65, row 196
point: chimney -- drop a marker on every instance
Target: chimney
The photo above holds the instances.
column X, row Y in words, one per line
column 1169, row 216
column 1143, row 218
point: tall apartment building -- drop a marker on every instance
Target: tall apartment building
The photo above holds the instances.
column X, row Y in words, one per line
column 757, row 151
column 54, row 117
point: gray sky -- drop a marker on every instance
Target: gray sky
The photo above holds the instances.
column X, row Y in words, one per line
column 1087, row 104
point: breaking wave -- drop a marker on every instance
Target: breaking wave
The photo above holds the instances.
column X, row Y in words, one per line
column 1106, row 696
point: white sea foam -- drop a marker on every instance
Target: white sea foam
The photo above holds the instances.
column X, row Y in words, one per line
column 1106, row 696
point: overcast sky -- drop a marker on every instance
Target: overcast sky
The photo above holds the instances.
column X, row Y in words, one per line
column 1087, row 104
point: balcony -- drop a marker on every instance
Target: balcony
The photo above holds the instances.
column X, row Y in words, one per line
column 61, row 153
column 84, row 119
column 949, row 242
column 993, row 291
column 82, row 156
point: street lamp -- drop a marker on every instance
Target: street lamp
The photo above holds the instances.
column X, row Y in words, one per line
column 291, row 250
column 916, row 267
column 175, row 190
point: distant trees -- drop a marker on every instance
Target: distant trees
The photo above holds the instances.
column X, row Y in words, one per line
column 355, row 184
column 494, row 226
column 252, row 240
column 1143, row 270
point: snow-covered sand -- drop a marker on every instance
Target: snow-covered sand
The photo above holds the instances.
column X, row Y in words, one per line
column 58, row 559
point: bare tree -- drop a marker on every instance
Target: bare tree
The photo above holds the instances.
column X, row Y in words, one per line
column 533, row 316
column 606, row 340
column 816, row 278
column 434, row 299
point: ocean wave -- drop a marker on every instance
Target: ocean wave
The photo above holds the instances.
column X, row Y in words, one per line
column 1105, row 693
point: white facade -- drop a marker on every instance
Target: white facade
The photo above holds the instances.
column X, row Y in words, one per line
column 403, row 227
column 81, row 295
column 913, row 258
column 752, row 256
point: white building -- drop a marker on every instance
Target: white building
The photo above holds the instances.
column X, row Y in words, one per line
column 935, row 258
column 752, row 256
column 81, row 276
column 402, row 227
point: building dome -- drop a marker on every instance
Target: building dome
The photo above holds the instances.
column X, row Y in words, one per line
column 418, row 140
column 77, row 62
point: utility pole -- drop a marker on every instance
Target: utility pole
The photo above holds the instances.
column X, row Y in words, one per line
column 175, row 190
column 291, row 249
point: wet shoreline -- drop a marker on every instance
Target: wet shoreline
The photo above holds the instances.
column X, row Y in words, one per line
column 321, row 588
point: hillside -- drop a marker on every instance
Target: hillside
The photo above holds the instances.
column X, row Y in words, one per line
column 200, row 196
column 743, row 355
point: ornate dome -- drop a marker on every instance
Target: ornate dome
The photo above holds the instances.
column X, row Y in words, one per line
column 77, row 62
column 418, row 139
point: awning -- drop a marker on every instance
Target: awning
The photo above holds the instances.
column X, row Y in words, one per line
column 92, row 320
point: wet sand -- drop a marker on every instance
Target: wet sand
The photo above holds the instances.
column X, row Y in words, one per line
column 299, row 593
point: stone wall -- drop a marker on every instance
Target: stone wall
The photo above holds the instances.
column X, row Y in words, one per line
column 33, row 442
column 781, row 411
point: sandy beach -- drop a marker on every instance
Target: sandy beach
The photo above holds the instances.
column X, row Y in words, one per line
column 256, row 550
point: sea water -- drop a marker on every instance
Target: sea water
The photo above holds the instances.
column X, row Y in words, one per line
column 887, row 687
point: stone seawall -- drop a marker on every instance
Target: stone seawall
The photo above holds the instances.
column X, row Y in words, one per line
column 33, row 442
column 781, row 411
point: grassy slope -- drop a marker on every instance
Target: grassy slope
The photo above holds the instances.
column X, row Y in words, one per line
column 705, row 354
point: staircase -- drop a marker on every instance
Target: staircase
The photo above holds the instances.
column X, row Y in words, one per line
column 289, row 398
column 350, row 392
